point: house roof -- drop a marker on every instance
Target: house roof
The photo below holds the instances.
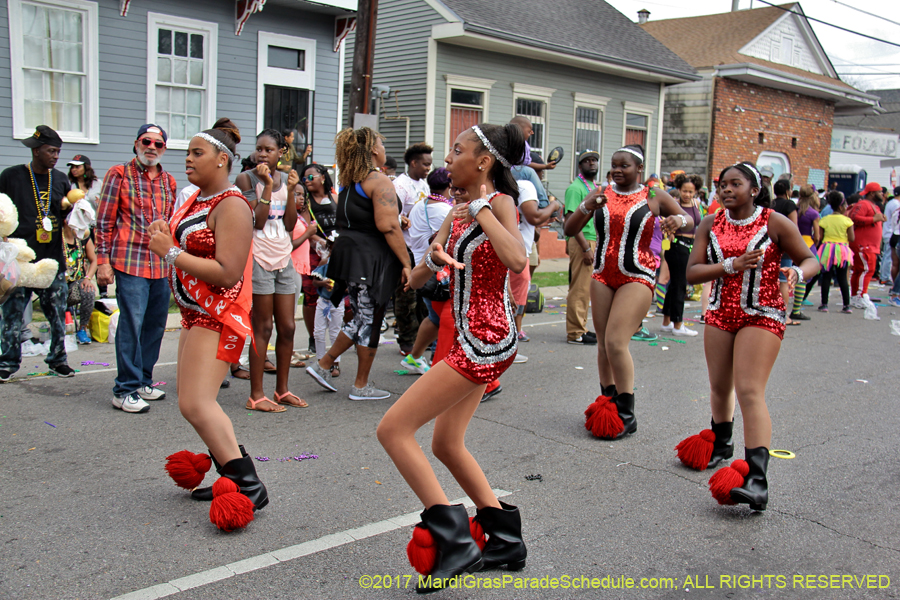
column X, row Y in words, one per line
column 591, row 30
column 711, row 40
column 888, row 122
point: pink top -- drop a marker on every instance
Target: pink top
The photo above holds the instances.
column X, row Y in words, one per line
column 272, row 244
column 300, row 255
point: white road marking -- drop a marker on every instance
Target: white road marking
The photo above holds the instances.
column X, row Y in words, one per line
column 165, row 364
column 267, row 559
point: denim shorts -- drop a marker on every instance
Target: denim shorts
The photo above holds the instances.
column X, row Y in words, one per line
column 785, row 262
column 280, row 281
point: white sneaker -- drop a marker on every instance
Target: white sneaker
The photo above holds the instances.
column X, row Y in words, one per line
column 413, row 365
column 151, row 393
column 684, row 330
column 667, row 328
column 131, row 403
column 519, row 359
column 857, row 302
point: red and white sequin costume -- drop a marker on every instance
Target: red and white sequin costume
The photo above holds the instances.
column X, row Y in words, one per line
column 751, row 298
column 197, row 239
column 624, row 230
column 485, row 328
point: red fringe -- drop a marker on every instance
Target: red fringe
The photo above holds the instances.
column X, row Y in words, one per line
column 477, row 532
column 602, row 418
column 187, row 468
column 696, row 450
column 230, row 509
column 421, row 550
column 726, row 478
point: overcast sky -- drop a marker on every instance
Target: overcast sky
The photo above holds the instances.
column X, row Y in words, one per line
column 846, row 50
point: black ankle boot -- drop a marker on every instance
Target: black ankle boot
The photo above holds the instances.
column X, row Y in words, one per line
column 723, row 447
column 625, row 407
column 609, row 391
column 504, row 546
column 755, row 490
column 243, row 473
column 205, row 494
column 457, row 551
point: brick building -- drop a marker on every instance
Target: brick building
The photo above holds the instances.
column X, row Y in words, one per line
column 769, row 94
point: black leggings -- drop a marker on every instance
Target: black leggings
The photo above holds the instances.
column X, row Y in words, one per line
column 840, row 273
column 677, row 258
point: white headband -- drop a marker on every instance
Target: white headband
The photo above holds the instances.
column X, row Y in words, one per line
column 752, row 170
column 490, row 146
column 205, row 136
column 632, row 151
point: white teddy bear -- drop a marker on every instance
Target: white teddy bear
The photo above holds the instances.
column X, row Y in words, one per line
column 37, row 275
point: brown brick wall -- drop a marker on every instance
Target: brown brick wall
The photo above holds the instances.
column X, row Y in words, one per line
column 779, row 116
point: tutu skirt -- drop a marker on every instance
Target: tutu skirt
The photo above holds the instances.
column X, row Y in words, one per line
column 834, row 254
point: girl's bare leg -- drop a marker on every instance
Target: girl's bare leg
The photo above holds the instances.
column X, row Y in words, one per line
column 755, row 351
column 628, row 308
column 719, row 346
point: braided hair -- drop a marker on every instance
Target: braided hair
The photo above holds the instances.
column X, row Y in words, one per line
column 353, row 153
column 509, row 142
column 748, row 169
column 327, row 183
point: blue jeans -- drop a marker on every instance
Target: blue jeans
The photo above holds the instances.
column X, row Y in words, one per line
column 53, row 303
column 885, row 274
column 143, row 308
column 526, row 173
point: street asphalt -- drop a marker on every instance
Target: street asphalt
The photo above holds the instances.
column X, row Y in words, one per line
column 88, row 512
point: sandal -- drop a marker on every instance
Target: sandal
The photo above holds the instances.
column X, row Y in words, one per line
column 269, row 367
column 303, row 355
column 336, row 370
column 253, row 405
column 297, row 362
column 239, row 372
column 300, row 403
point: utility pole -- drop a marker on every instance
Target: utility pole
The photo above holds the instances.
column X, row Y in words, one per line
column 363, row 58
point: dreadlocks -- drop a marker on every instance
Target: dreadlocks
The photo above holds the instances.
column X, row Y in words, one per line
column 353, row 152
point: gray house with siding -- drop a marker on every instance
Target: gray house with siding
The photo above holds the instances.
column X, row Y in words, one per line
column 95, row 70
column 586, row 76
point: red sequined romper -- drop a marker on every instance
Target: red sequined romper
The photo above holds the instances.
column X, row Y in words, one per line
column 751, row 298
column 197, row 239
column 624, row 231
column 485, row 329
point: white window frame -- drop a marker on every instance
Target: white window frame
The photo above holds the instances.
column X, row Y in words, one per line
column 541, row 94
column 593, row 102
column 644, row 110
column 91, row 106
column 292, row 78
column 469, row 84
column 155, row 21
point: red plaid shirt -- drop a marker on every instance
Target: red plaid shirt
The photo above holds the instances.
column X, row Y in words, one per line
column 129, row 202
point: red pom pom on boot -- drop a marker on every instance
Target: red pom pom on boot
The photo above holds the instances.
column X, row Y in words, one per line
column 604, row 420
column 187, row 468
column 727, row 478
column 230, row 508
column 421, row 550
column 695, row 451
column 477, row 532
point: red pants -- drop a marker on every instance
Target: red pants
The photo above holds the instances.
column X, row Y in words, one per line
column 447, row 335
column 863, row 266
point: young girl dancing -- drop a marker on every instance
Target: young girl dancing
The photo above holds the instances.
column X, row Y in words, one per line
column 207, row 246
column 740, row 250
column 482, row 244
column 835, row 255
column 623, row 280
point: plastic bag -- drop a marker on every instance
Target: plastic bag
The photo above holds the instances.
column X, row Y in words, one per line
column 871, row 313
column 9, row 270
column 71, row 344
column 113, row 325
column 29, row 348
column 895, row 327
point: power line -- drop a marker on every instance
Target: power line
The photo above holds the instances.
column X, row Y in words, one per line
column 831, row 24
column 865, row 12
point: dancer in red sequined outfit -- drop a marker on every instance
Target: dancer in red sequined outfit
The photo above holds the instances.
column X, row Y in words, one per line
column 623, row 280
column 740, row 249
column 207, row 246
column 483, row 244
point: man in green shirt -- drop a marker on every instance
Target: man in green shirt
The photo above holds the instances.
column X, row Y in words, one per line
column 581, row 249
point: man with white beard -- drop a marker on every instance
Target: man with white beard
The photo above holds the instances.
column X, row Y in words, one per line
column 134, row 195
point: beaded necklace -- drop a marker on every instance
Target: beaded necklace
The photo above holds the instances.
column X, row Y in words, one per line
column 584, row 181
column 621, row 193
column 43, row 210
column 140, row 198
column 440, row 198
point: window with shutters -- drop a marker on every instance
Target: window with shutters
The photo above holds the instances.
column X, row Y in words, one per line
column 54, row 68
column 181, row 76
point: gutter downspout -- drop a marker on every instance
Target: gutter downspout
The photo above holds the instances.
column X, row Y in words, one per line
column 397, row 117
column 659, row 132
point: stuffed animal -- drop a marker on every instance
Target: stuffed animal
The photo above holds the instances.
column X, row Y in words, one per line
column 38, row 275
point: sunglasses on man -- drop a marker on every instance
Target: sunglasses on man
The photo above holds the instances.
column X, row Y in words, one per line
column 147, row 142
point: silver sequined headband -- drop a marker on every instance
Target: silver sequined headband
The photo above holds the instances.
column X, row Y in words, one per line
column 754, row 171
column 490, row 146
column 205, row 136
column 632, row 151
